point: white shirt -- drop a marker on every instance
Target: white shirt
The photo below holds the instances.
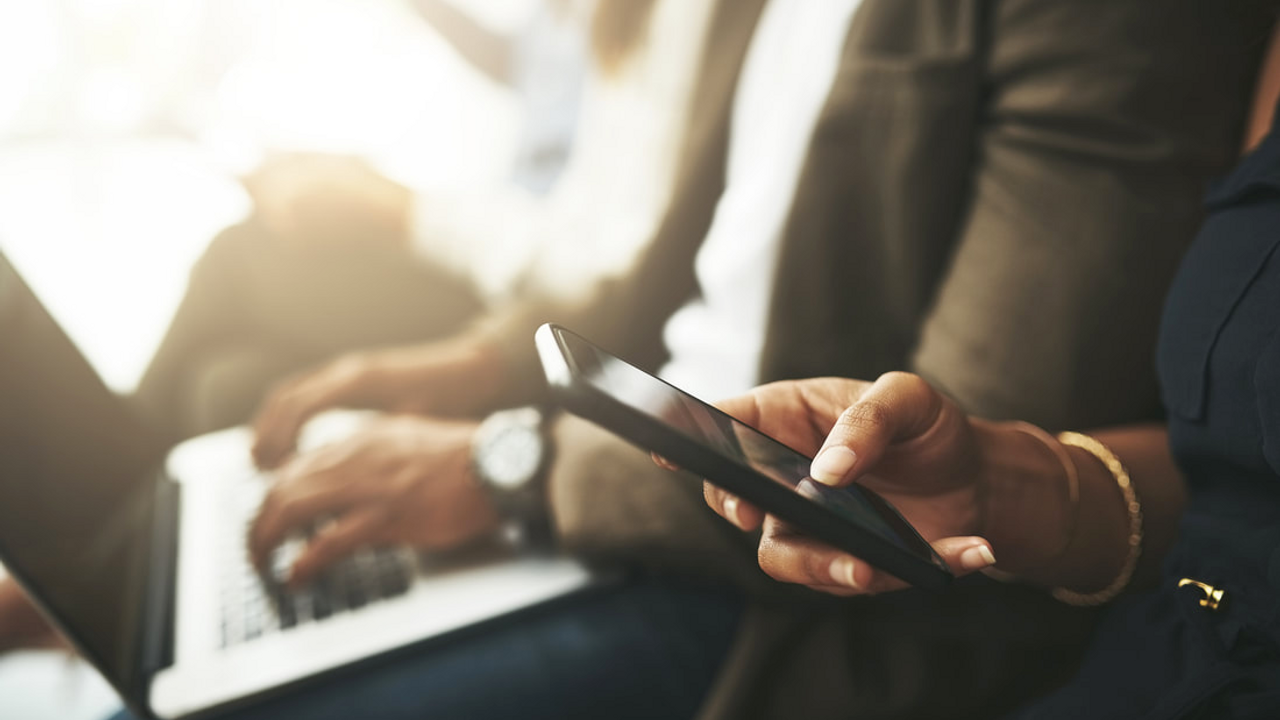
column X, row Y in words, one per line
column 610, row 198
column 716, row 340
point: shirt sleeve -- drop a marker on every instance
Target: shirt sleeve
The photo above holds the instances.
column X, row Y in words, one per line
column 1085, row 194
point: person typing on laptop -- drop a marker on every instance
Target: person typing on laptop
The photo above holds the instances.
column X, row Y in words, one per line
column 285, row 616
column 321, row 265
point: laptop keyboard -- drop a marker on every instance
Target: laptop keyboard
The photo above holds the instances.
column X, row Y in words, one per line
column 253, row 605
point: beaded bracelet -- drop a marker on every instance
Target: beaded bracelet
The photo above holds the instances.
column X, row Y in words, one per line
column 1132, row 507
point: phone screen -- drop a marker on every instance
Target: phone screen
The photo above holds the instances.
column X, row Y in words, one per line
column 739, row 442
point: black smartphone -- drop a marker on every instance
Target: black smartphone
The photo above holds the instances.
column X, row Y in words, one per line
column 661, row 418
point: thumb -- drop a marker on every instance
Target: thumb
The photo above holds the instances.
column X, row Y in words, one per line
column 897, row 407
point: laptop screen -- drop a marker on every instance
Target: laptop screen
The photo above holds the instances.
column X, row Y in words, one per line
column 75, row 488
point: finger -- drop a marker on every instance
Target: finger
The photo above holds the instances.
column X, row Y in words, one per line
column 792, row 558
column 897, row 407
column 350, row 532
column 743, row 515
column 275, row 429
column 337, row 383
column 295, row 502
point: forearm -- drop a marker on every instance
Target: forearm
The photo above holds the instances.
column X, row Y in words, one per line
column 491, row 365
column 460, row 376
column 1041, row 536
column 617, row 314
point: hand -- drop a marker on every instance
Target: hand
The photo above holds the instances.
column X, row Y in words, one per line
column 920, row 447
column 401, row 480
column 316, row 198
column 446, row 378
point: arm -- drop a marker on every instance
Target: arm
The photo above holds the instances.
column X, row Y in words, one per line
column 1087, row 192
column 1023, row 486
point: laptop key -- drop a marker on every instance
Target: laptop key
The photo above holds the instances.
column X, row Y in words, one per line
column 393, row 575
column 288, row 617
column 320, row 606
column 252, row 627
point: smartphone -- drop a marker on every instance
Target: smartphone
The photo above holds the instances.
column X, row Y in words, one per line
column 658, row 417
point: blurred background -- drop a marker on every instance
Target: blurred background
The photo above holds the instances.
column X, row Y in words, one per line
column 125, row 126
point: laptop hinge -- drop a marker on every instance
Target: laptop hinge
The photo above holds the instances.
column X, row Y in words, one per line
column 158, row 621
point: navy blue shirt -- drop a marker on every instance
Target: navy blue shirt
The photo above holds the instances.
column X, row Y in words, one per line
column 1160, row 654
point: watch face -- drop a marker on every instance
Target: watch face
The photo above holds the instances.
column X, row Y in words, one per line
column 511, row 458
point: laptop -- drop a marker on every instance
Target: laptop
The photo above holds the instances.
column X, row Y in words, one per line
column 138, row 554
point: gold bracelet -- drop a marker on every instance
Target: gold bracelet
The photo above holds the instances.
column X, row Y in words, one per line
column 1132, row 507
column 1073, row 480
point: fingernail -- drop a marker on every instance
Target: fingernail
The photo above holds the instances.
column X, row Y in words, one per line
column 731, row 510
column 976, row 558
column 832, row 465
column 842, row 572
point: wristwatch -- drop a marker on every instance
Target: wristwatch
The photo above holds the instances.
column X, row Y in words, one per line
column 510, row 455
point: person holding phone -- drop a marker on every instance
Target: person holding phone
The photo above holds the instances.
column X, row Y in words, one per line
column 1176, row 526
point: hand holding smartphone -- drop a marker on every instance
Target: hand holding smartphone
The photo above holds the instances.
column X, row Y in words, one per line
column 663, row 419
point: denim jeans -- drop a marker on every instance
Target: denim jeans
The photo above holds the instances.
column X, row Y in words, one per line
column 641, row 649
